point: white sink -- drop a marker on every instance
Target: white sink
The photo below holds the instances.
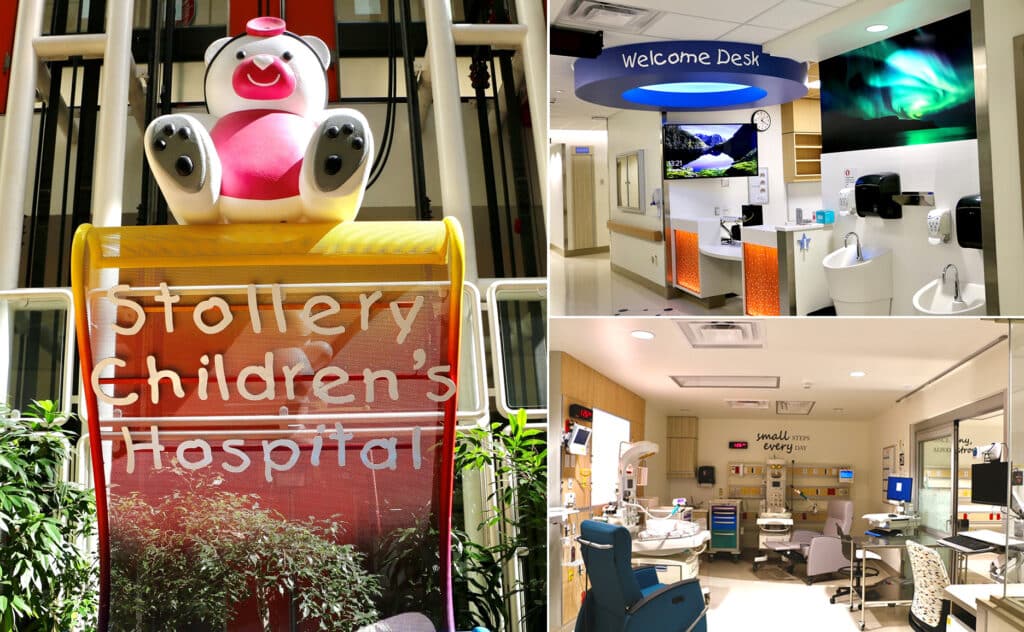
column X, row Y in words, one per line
column 936, row 299
column 860, row 287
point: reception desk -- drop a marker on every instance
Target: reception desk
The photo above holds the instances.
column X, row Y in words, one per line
column 704, row 266
column 782, row 273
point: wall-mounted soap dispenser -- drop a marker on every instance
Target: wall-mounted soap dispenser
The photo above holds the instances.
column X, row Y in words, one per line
column 940, row 226
column 874, row 195
column 968, row 221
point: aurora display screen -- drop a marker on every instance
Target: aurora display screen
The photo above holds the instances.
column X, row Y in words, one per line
column 911, row 89
column 709, row 151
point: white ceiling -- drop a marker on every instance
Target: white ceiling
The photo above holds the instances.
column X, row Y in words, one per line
column 807, row 30
column 897, row 354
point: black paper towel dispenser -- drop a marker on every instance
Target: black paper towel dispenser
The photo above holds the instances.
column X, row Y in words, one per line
column 968, row 221
column 874, row 193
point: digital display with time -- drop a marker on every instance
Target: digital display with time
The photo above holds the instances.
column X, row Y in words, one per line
column 738, row 445
column 577, row 411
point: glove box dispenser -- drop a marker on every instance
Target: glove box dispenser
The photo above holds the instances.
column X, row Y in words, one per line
column 968, row 221
column 874, row 195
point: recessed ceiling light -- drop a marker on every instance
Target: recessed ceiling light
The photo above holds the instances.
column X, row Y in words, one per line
column 877, row 28
column 640, row 334
column 857, row 373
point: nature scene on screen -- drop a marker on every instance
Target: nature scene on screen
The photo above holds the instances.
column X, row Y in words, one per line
column 911, row 89
column 709, row 151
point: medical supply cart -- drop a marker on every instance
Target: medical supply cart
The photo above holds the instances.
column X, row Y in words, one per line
column 725, row 527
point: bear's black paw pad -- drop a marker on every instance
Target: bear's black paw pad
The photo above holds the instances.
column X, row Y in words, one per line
column 340, row 149
column 176, row 150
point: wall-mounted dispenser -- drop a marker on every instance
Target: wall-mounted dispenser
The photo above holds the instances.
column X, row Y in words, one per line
column 968, row 221
column 846, row 201
column 940, row 226
column 874, row 195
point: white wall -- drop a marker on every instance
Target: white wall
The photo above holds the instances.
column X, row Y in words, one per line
column 828, row 443
column 556, row 195
column 1004, row 19
column 597, row 140
column 698, row 198
column 629, row 130
column 803, row 195
column 982, row 377
column 948, row 169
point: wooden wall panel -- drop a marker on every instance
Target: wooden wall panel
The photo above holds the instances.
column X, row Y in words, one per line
column 583, row 385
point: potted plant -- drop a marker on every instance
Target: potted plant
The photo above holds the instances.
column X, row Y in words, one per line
column 47, row 579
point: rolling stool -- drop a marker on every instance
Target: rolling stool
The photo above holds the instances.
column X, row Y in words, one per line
column 857, row 569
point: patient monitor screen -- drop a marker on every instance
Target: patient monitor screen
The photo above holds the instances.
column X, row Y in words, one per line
column 900, row 489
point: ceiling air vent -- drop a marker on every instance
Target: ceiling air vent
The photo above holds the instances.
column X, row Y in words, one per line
column 723, row 334
column 606, row 16
column 726, row 381
column 793, row 407
column 747, row 404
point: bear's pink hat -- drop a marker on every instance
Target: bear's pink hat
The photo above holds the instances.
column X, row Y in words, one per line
column 265, row 26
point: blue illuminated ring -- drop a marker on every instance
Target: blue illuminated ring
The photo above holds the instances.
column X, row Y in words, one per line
column 689, row 76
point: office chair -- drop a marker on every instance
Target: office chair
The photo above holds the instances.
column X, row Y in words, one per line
column 857, row 568
column 823, row 551
column 929, row 610
column 623, row 599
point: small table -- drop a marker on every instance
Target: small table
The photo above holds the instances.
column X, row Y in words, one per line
column 997, row 539
column 889, row 592
column 964, row 599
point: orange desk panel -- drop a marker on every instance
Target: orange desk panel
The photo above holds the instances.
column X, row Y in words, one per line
column 761, row 280
column 687, row 260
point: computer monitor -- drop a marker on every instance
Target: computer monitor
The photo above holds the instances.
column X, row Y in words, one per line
column 846, row 476
column 900, row 489
column 988, row 483
column 579, row 439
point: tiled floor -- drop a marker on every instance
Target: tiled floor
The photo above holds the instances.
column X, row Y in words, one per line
column 740, row 601
column 586, row 286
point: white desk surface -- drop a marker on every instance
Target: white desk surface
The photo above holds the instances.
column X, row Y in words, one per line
column 996, row 538
column 884, row 517
column 729, row 252
column 967, row 595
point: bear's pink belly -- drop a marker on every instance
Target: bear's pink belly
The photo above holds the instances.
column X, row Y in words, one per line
column 261, row 153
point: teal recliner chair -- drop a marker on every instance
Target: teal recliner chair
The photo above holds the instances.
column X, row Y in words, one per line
column 623, row 599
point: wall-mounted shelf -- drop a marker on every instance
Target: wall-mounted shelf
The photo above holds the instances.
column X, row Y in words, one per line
column 801, row 140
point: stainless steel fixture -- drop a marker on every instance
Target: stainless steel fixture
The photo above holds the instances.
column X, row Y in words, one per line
column 856, row 239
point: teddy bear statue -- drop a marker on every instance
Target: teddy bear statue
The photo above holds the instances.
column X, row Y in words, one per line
column 274, row 153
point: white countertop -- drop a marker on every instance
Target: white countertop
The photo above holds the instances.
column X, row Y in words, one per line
column 730, row 252
column 996, row 538
column 967, row 595
column 787, row 228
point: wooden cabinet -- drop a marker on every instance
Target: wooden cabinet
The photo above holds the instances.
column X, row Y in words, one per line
column 682, row 446
column 801, row 140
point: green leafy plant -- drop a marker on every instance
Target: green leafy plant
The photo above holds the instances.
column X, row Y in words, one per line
column 47, row 579
column 517, row 502
column 408, row 563
column 198, row 553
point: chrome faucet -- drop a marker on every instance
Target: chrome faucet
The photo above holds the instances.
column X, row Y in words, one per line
column 956, row 282
column 856, row 239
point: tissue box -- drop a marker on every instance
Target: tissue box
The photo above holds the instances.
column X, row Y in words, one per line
column 825, row 216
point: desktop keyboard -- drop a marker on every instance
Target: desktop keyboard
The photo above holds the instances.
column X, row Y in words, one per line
column 965, row 542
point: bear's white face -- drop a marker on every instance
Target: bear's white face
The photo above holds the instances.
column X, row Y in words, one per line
column 282, row 72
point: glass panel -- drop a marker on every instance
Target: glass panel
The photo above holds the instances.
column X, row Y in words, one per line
column 518, row 312
column 472, row 368
column 981, row 431
column 35, row 346
column 934, row 470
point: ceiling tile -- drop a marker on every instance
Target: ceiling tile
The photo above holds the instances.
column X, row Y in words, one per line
column 729, row 10
column 792, row 14
column 752, row 34
column 681, row 27
column 835, row 3
column 621, row 39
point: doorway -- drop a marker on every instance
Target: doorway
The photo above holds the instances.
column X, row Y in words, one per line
column 582, row 212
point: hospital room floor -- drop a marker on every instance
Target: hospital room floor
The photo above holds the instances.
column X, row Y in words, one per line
column 739, row 598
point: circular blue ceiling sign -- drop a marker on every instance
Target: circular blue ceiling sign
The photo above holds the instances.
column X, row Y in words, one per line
column 689, row 76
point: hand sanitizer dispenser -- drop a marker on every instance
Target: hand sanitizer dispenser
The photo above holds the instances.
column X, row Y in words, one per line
column 940, row 226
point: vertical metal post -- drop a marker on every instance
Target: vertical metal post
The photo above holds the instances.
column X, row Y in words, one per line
column 535, row 64
column 112, row 122
column 451, row 138
column 14, row 159
column 412, row 104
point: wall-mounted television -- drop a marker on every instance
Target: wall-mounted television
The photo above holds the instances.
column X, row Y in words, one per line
column 709, row 151
column 910, row 89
